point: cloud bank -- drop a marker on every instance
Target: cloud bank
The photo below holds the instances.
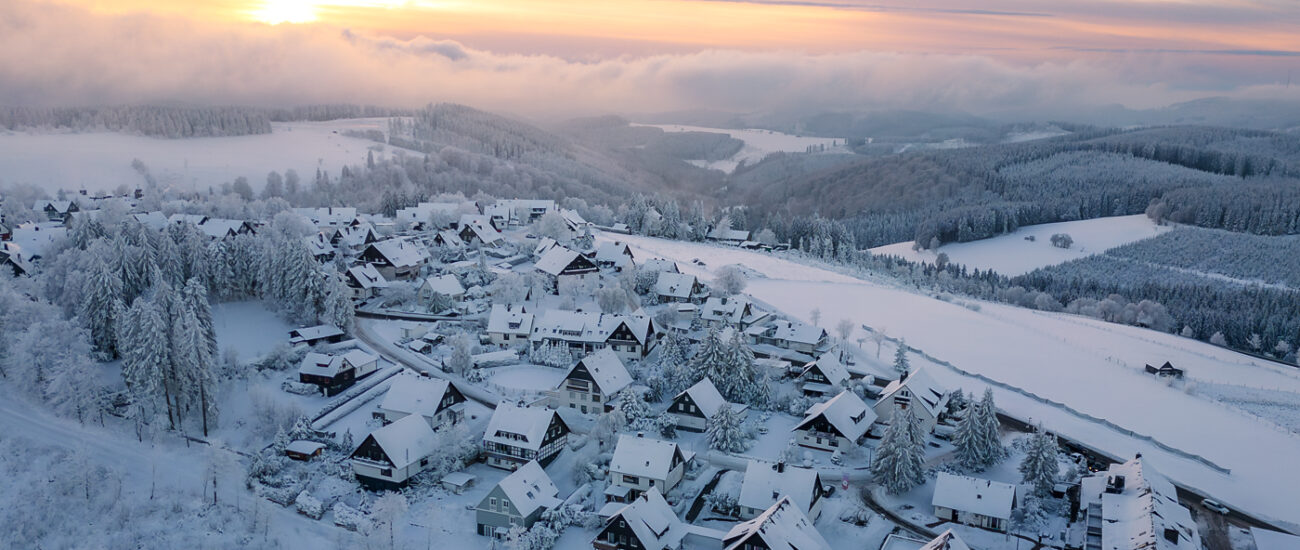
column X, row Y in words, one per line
column 54, row 55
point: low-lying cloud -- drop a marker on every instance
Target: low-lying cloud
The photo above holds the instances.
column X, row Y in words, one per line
column 54, row 55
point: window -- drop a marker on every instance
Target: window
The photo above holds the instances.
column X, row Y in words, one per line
column 492, row 504
column 631, row 479
column 386, row 472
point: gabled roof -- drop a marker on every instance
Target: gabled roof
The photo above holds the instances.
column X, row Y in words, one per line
column 35, row 238
column 661, row 265
column 614, row 252
column 586, row 326
column 406, row 441
column 61, row 207
column 846, row 412
column 449, row 238
column 573, row 218
column 946, row 541
column 1273, row 540
column 830, row 366
column 764, row 484
column 367, row 276
column 319, row 245
column 987, row 498
column 557, row 259
column 798, row 332
column 153, row 220
column 219, row 228
column 447, row 285
column 420, row 213
column 194, row 219
column 320, row 364
column 676, row 285
column 506, row 320
column 606, row 369
column 641, row 456
column 924, row 390
column 529, row 422
column 731, row 310
column 401, row 252
column 529, row 488
column 484, row 232
column 314, row 333
column 653, row 522
column 328, row 215
column 544, row 245
column 354, row 236
column 413, row 394
column 706, row 397
column 727, row 234
column 1139, row 512
column 781, row 527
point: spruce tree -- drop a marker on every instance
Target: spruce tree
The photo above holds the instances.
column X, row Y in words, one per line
column 724, row 432
column 99, row 307
column 1040, row 467
column 900, row 458
column 900, row 357
column 989, row 429
column 711, row 360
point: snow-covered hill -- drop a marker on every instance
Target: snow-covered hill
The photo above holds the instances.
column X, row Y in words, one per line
column 1091, row 367
column 758, row 144
column 1015, row 254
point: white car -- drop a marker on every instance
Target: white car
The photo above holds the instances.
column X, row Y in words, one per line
column 1213, row 505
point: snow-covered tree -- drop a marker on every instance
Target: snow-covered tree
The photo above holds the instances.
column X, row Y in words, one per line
column 634, row 408
column 899, row 463
column 552, row 225
column 101, row 305
column 1040, row 466
column 976, row 436
column 461, row 360
column 387, row 512
column 900, row 357
column 724, row 433
column 730, row 280
column 1218, row 339
column 711, row 359
column 843, row 329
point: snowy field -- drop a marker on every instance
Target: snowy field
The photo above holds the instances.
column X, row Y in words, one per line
column 102, row 160
column 758, row 144
column 1012, row 254
column 248, row 328
column 1092, row 367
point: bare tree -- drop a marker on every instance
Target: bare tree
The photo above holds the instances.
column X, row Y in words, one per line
column 816, row 316
column 730, row 280
column 843, row 329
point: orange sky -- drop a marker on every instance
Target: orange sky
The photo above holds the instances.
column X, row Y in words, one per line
column 615, row 27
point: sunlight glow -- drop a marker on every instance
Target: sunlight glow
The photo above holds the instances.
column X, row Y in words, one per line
column 275, row 12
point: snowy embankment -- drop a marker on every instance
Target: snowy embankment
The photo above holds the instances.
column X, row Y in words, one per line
column 1012, row 254
column 1092, row 367
column 102, row 160
column 758, row 144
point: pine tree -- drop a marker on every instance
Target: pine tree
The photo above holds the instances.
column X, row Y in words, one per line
column 989, row 430
column 1040, row 467
column 724, row 432
column 711, row 360
column 634, row 408
column 145, row 353
column 900, row 458
column 976, row 437
column 99, row 307
column 900, row 357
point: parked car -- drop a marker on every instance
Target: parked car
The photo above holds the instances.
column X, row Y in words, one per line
column 1214, row 506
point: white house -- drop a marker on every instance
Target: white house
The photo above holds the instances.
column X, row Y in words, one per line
column 566, row 268
column 517, row 434
column 438, row 401
column 824, row 376
column 592, row 382
column 391, row 455
column 679, row 287
column 781, row 526
column 518, row 500
column 334, row 373
column 791, row 335
column 646, row 523
column 974, row 501
column 508, row 324
column 617, row 255
column 727, row 235
column 365, row 281
column 642, row 463
column 837, row 423
column 693, row 407
column 766, row 482
column 446, row 285
column 631, row 336
column 917, row 391
column 730, row 312
column 397, row 258
column 1131, row 505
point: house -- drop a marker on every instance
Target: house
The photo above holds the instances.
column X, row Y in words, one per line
column 1131, row 505
column 12, row 257
column 517, row 211
column 420, row 215
column 791, row 335
column 354, row 237
column 365, row 281
column 388, row 457
column 303, row 450
column 335, row 373
column 438, row 401
column 631, row 336
column 517, row 434
column 1164, row 370
column 219, row 229
column 948, row 540
column 508, row 324
column 974, row 501
column 448, row 239
column 574, row 220
column 153, row 220
column 646, row 523
column 446, row 285
column 917, row 391
column 518, row 500
column 642, row 463
column 34, row 239
column 679, row 287
column 544, row 245
column 565, row 267
column 1273, row 540
column 824, row 376
column 730, row 312
column 396, row 258
column 661, row 265
column 5, row 233
column 780, row 527
column 56, row 211
column 182, row 219
column 766, row 482
column 320, row 247
column 311, row 336
column 592, row 382
column 693, row 408
column 479, row 234
column 614, row 254
column 727, row 235
column 328, row 216
column 837, row 423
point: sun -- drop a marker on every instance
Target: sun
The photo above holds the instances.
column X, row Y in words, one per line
column 274, row 12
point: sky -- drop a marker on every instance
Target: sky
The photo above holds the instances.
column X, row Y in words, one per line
column 570, row 57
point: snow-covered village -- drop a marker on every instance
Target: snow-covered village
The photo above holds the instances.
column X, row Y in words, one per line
column 649, row 275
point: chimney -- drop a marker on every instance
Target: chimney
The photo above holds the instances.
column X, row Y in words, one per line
column 780, row 466
column 902, row 377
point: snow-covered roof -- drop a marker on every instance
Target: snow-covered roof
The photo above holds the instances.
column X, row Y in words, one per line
column 218, row 228
column 328, row 215
column 846, row 412
column 447, row 285
column 35, row 238
column 194, row 219
column 1273, row 540
column 367, row 276
column 781, row 527
column 946, row 541
column 641, row 456
column 413, row 394
column 932, row 396
column 320, row 364
column 727, row 234
column 356, row 236
column 58, row 206
column 574, row 219
column 319, row 245
column 554, row 261
column 507, row 320
column 153, row 220
column 544, row 245
column 661, row 265
column 765, row 482
column 614, row 252
column 830, row 366
column 653, row 521
column 675, row 285
column 401, row 252
column 450, row 238
column 528, row 422
column 529, row 488
column 985, row 497
column 406, row 440
column 798, row 332
column 586, row 326
column 314, row 333
column 1140, row 511
column 420, row 213
column 303, row 446
column 606, row 369
column 706, row 397
column 731, row 310
column 484, row 232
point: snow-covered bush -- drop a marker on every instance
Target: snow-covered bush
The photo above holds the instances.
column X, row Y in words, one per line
column 349, row 518
column 309, row 506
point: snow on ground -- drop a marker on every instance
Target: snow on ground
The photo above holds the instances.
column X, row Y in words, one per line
column 248, row 328
column 758, row 144
column 1012, row 254
column 102, row 160
column 532, row 378
column 1091, row 366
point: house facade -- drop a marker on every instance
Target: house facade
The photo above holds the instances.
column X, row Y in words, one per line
column 518, row 500
column 838, row 423
column 766, row 482
column 919, row 392
column 974, row 501
column 630, row 336
column 396, row 259
column 437, row 400
column 642, row 463
column 592, row 382
column 693, row 407
column 509, row 325
column 335, row 373
column 517, row 434
column 566, row 269
column 646, row 523
column 388, row 457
